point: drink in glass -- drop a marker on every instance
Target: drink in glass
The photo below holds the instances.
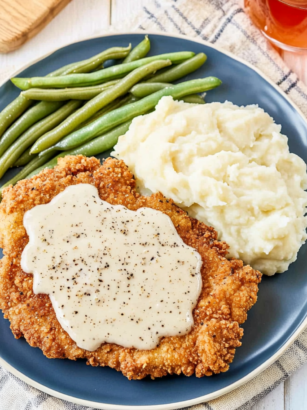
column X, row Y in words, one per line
column 282, row 22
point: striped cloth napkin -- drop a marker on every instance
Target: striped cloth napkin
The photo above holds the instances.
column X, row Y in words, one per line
column 225, row 24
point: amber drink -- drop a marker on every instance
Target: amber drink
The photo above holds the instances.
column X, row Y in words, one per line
column 282, row 22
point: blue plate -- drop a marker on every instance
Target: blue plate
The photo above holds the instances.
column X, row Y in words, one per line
column 282, row 305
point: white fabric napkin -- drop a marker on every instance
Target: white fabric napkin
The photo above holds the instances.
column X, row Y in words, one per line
column 225, row 24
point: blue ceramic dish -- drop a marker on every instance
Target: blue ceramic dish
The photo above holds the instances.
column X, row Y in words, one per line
column 272, row 323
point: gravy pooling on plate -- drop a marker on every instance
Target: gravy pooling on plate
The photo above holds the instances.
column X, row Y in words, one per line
column 113, row 275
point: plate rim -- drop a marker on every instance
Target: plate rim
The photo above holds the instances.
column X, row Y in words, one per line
column 220, row 392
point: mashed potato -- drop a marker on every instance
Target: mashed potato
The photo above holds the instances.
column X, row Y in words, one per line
column 229, row 167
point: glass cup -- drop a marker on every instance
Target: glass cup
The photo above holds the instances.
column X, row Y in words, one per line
column 284, row 22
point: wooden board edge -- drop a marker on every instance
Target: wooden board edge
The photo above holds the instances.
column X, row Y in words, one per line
column 18, row 40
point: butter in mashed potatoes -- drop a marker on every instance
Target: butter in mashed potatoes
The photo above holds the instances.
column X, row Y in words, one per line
column 229, row 167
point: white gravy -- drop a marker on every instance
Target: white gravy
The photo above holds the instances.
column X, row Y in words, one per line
column 113, row 275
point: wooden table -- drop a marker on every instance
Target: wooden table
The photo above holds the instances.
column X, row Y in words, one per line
column 81, row 19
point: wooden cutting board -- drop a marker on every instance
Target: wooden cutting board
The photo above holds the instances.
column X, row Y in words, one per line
column 22, row 19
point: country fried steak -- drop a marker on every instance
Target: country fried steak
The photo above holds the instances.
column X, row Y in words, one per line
column 229, row 288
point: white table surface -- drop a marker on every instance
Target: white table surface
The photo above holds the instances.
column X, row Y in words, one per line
column 81, row 19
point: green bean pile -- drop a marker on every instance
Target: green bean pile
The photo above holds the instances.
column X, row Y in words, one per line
column 83, row 108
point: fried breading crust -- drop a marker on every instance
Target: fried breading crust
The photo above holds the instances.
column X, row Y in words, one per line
column 229, row 288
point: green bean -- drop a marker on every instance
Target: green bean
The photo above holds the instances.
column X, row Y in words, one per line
column 30, row 167
column 91, row 63
column 111, row 106
column 139, row 51
column 193, row 99
column 94, row 105
column 13, row 111
column 24, row 159
column 96, row 146
column 98, row 68
column 30, row 117
column 11, row 155
column 101, row 143
column 98, row 77
column 61, row 70
column 49, row 165
column 179, row 71
column 114, row 53
column 80, row 93
column 119, row 102
column 143, row 89
column 130, row 111
column 50, row 149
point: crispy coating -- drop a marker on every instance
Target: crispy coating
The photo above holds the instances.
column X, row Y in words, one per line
column 229, row 288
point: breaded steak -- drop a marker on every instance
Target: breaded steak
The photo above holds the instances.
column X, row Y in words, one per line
column 229, row 288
